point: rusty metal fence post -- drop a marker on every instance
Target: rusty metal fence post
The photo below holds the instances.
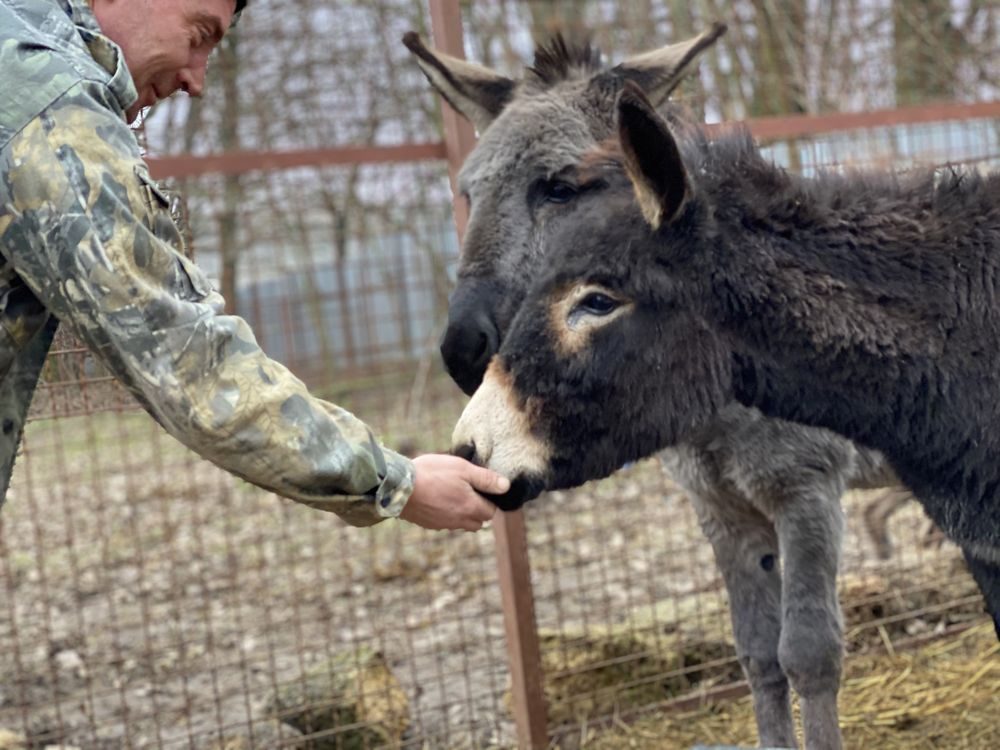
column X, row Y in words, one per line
column 509, row 529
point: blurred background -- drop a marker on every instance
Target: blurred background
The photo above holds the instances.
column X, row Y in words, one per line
column 149, row 600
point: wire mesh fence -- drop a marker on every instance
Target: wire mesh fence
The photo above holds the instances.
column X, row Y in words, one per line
column 151, row 600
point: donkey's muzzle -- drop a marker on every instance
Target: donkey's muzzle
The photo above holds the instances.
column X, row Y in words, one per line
column 472, row 336
column 522, row 489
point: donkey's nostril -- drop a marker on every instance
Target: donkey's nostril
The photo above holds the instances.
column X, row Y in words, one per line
column 482, row 348
column 466, row 351
column 466, row 451
column 489, row 340
column 471, row 338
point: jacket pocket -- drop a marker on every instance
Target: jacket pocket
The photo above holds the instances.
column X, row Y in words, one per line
column 195, row 277
column 153, row 195
column 165, row 217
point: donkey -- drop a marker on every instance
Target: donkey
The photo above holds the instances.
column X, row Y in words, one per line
column 688, row 271
column 759, row 486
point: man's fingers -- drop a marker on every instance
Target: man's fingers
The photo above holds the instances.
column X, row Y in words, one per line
column 468, row 523
column 488, row 481
column 477, row 512
column 485, row 510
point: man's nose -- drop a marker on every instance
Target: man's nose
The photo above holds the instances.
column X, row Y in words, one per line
column 192, row 81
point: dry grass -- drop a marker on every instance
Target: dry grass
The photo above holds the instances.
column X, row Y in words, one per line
column 602, row 672
column 946, row 694
column 595, row 674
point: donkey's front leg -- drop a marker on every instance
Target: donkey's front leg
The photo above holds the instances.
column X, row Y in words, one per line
column 985, row 568
column 746, row 549
column 810, row 527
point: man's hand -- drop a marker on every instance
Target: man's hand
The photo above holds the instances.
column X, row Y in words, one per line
column 444, row 493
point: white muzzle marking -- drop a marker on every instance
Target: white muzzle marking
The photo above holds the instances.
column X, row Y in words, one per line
column 500, row 430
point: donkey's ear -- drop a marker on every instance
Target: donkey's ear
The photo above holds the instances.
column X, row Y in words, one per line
column 652, row 159
column 658, row 72
column 474, row 91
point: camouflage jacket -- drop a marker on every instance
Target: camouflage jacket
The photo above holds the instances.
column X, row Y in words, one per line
column 87, row 239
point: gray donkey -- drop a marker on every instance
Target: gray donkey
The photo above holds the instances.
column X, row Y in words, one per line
column 763, row 489
column 687, row 271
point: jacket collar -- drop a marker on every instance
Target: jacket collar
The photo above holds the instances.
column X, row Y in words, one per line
column 106, row 53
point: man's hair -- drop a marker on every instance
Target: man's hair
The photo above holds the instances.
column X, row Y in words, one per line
column 240, row 5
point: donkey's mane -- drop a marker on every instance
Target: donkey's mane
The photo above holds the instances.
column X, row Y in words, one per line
column 560, row 59
column 729, row 157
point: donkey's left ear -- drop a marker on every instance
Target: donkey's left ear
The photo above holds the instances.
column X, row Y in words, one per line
column 476, row 92
column 652, row 158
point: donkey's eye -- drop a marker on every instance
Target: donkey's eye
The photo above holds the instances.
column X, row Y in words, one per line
column 552, row 190
column 557, row 191
column 596, row 303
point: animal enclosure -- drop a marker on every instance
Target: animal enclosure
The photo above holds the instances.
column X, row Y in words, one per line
column 149, row 600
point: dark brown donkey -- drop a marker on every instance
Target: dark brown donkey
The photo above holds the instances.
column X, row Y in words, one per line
column 689, row 271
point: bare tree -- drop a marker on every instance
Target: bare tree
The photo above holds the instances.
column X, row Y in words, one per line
column 779, row 57
column 926, row 51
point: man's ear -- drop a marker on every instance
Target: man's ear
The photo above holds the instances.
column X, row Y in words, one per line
column 474, row 91
column 658, row 72
column 652, row 158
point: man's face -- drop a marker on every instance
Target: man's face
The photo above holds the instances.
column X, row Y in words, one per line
column 166, row 42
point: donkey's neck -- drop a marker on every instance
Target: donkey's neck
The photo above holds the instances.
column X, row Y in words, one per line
column 869, row 307
column 864, row 264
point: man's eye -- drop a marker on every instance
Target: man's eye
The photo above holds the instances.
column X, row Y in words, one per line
column 201, row 37
column 596, row 303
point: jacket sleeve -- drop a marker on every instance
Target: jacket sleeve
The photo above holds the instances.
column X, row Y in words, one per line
column 90, row 234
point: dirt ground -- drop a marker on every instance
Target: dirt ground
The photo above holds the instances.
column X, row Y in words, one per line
column 149, row 600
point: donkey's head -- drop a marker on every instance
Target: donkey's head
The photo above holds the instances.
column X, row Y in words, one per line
column 609, row 357
column 531, row 132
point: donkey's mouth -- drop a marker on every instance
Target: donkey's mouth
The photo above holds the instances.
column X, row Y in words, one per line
column 522, row 489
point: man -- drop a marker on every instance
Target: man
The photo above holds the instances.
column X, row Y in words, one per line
column 86, row 238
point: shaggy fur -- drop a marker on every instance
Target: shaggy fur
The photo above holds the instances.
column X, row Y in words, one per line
column 561, row 59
